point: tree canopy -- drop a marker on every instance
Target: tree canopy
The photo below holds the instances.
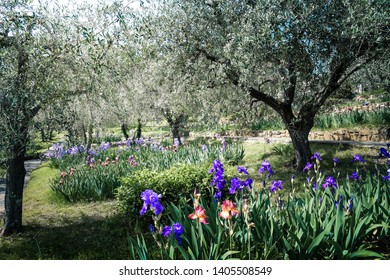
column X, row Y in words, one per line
column 289, row 54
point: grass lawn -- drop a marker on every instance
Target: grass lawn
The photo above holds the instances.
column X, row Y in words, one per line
column 55, row 229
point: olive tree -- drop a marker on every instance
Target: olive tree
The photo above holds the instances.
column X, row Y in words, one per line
column 46, row 53
column 30, row 67
column 292, row 55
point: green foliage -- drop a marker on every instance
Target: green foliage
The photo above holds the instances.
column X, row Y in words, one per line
column 334, row 121
column 233, row 154
column 99, row 180
column 332, row 223
column 111, row 138
column 283, row 150
column 90, row 183
column 174, row 184
column 267, row 124
column 352, row 119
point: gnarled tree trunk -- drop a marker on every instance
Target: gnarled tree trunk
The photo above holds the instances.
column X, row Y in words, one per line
column 15, row 182
column 299, row 129
column 124, row 128
column 14, row 195
column 89, row 136
column 300, row 141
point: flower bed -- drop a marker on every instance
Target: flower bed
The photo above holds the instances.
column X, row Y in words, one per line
column 335, row 218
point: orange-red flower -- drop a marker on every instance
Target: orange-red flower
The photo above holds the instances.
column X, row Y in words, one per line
column 228, row 210
column 200, row 214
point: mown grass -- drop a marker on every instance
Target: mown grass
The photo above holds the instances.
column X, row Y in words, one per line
column 54, row 229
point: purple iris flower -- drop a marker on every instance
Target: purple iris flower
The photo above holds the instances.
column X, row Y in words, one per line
column 128, row 142
column 167, row 231
column 105, row 146
column 218, row 181
column 316, row 156
column 337, row 202
column 242, row 169
column 276, row 185
column 218, row 195
column 151, row 199
column 354, row 176
column 74, row 150
column 308, row 166
column 280, row 203
column 139, row 141
column 336, row 160
column 266, row 166
column 330, row 182
column 350, row 203
column 384, row 153
column 235, row 184
column 248, row 183
column 388, row 176
column 357, row 158
column 177, row 229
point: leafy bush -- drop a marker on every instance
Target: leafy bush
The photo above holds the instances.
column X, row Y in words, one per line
column 175, row 184
column 334, row 121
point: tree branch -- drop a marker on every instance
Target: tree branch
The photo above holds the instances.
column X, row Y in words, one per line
column 257, row 94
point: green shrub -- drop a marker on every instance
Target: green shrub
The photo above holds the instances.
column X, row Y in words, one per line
column 175, row 184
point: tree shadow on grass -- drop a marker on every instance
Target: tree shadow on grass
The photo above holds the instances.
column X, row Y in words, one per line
column 88, row 238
